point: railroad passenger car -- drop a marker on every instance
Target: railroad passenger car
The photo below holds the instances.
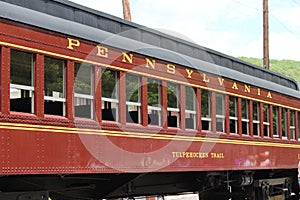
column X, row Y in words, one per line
column 94, row 107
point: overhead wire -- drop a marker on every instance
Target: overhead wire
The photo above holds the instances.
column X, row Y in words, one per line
column 272, row 15
column 296, row 2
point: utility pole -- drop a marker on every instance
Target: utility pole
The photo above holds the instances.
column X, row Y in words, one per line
column 126, row 10
column 266, row 33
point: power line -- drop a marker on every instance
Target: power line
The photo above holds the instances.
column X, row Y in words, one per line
column 247, row 6
column 296, row 2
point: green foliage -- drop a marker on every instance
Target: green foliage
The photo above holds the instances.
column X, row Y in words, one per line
column 205, row 100
column 54, row 70
column 82, row 77
column 109, row 82
column 153, row 92
column 172, row 95
column 132, row 88
column 21, row 67
column 289, row 68
column 190, row 97
column 232, row 106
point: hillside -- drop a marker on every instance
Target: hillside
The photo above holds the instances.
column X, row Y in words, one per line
column 289, row 68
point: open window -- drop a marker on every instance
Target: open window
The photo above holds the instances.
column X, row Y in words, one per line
column 206, row 109
column 133, row 99
column 83, row 88
column 110, row 100
column 154, row 102
column 21, row 81
column 173, row 105
column 190, row 108
column 54, row 80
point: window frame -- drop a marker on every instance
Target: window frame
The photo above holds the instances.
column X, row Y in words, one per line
column 174, row 110
column 256, row 121
column 115, row 100
column 233, row 118
column 193, row 112
column 220, row 118
column 208, row 117
column 275, row 119
column 90, row 96
column 266, row 119
column 292, row 125
column 157, row 108
column 245, row 120
column 138, row 104
column 21, row 87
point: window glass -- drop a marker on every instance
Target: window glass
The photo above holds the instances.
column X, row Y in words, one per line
column 284, row 122
column 298, row 125
column 275, row 117
column 110, row 100
column 233, row 114
column 256, row 118
column 83, row 78
column 21, row 81
column 133, row 104
column 154, row 105
column 109, row 84
column 245, row 116
column 220, row 111
column 292, row 125
column 190, row 108
column 173, row 105
column 205, row 109
column 266, row 122
column 83, row 88
column 54, row 80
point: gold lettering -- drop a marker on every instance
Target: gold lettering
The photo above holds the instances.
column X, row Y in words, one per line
column 221, row 81
column 258, row 91
column 247, row 88
column 73, row 42
column 234, row 86
column 189, row 72
column 206, row 80
column 127, row 57
column 150, row 63
column 171, row 68
column 217, row 155
column 269, row 95
column 102, row 51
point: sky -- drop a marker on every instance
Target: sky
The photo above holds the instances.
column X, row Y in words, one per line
column 233, row 27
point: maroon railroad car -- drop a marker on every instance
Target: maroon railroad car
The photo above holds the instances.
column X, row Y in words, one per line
column 94, row 107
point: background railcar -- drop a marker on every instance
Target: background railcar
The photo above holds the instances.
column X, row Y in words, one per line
column 95, row 107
